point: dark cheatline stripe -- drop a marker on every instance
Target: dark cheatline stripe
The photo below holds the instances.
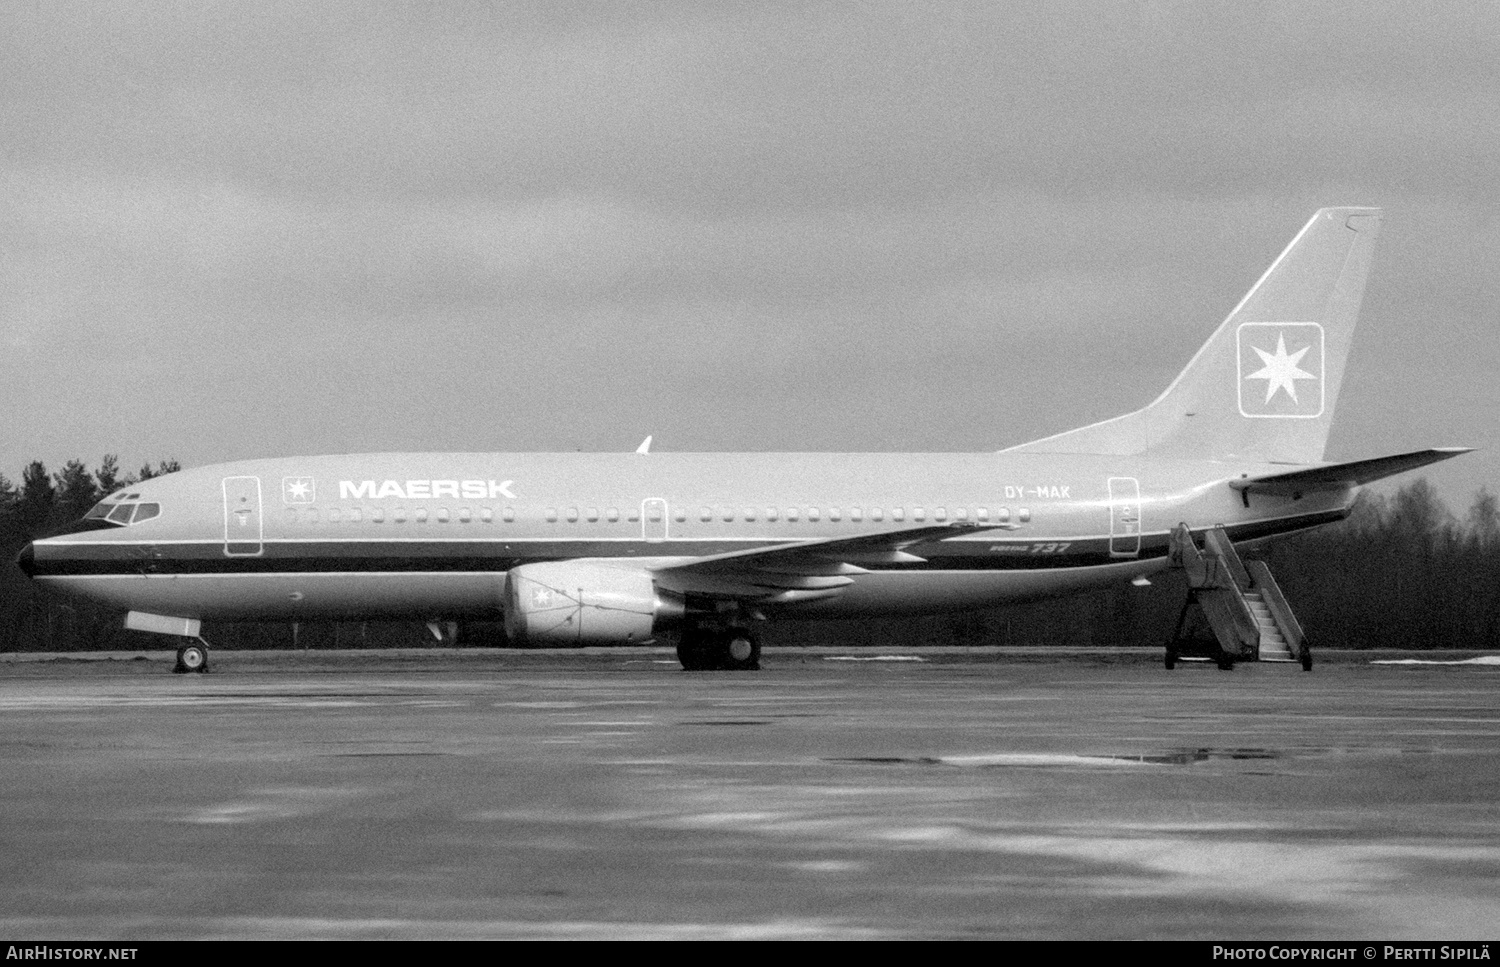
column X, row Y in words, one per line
column 1001, row 554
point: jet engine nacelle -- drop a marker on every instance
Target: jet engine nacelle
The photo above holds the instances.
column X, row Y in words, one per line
column 577, row 603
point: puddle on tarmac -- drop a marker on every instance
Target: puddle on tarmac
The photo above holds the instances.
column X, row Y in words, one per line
column 1062, row 759
column 731, row 722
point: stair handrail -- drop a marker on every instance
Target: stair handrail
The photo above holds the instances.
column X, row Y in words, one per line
column 1270, row 591
column 1183, row 552
column 1218, row 545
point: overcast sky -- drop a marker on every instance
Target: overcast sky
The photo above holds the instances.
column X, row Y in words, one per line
column 247, row 229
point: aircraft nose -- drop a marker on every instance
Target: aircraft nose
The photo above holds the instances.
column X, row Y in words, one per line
column 26, row 560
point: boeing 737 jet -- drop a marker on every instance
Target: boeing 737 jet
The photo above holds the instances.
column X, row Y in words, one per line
column 601, row 549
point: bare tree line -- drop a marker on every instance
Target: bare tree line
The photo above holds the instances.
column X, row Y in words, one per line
column 1401, row 572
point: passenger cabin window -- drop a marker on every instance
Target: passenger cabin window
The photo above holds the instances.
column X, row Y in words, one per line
column 705, row 514
column 377, row 515
column 355, row 515
column 442, row 515
column 917, row 513
column 509, row 514
column 487, row 515
column 898, row 514
column 551, row 515
column 572, row 515
column 464, row 515
column 791, row 514
column 612, row 515
column 1024, row 515
column 422, row 515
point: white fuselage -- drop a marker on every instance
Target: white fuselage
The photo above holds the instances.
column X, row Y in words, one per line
column 432, row 536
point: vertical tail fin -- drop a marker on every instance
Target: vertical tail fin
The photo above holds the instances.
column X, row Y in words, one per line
column 1264, row 385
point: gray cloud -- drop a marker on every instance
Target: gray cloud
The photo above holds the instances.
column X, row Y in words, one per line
column 243, row 229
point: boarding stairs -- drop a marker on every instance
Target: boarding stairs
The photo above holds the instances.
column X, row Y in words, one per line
column 1250, row 617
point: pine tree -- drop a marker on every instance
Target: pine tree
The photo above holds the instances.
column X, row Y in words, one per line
column 76, row 492
column 108, row 475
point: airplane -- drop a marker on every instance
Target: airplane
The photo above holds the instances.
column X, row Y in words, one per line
column 574, row 549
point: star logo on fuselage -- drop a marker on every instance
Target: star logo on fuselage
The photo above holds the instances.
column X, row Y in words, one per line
column 1285, row 381
column 298, row 490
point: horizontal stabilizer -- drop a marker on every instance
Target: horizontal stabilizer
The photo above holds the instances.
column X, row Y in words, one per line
column 1335, row 476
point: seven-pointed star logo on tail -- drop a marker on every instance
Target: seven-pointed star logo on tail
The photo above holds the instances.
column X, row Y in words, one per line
column 1280, row 369
column 298, row 490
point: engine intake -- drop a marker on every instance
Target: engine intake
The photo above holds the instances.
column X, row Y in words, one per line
column 578, row 603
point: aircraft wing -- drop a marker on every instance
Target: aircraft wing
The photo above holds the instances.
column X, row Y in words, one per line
column 1337, row 475
column 801, row 570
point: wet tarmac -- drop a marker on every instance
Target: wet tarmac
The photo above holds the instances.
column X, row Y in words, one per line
column 597, row 794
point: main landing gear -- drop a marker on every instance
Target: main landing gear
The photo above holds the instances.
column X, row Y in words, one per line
column 192, row 657
column 719, row 649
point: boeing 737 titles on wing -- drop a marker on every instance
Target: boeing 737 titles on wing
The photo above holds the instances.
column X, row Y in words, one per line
column 600, row 549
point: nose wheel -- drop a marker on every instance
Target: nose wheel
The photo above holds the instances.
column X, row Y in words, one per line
column 192, row 657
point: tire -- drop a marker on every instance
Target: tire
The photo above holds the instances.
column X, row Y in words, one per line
column 739, row 651
column 695, row 654
column 192, row 657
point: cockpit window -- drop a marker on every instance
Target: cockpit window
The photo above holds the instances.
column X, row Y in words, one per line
column 109, row 512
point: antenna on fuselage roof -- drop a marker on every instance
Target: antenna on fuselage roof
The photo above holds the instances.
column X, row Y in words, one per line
column 645, row 446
